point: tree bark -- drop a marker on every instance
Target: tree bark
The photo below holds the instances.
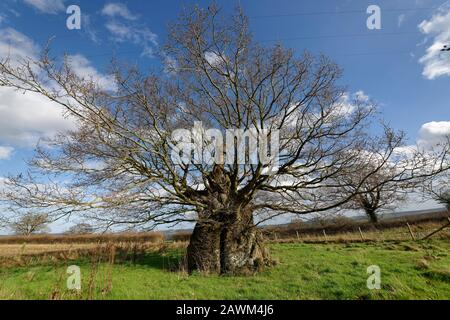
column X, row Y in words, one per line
column 203, row 252
column 372, row 216
column 227, row 243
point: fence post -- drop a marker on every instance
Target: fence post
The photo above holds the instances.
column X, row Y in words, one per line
column 298, row 237
column 325, row 235
column 410, row 232
column 275, row 235
column 361, row 234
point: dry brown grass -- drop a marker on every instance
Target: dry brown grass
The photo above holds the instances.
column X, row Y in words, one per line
column 17, row 250
column 27, row 254
column 182, row 236
column 11, row 250
column 399, row 233
column 85, row 238
column 344, row 229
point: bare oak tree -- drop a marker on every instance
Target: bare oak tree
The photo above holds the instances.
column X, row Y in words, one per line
column 378, row 193
column 119, row 158
column 81, row 228
column 438, row 189
column 29, row 224
column 443, row 197
column 4, row 221
column 381, row 182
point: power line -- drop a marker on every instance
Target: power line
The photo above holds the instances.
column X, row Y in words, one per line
column 337, row 12
column 334, row 54
column 312, row 37
column 306, row 37
column 139, row 52
column 75, row 34
column 350, row 35
column 373, row 53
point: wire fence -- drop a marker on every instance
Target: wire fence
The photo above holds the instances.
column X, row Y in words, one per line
column 404, row 231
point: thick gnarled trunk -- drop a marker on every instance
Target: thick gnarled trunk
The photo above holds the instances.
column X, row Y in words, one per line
column 372, row 215
column 203, row 252
column 227, row 243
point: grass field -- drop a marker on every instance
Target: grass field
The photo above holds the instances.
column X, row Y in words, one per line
column 409, row 270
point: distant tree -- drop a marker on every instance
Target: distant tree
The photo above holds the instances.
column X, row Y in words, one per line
column 393, row 178
column 336, row 221
column 3, row 222
column 81, row 228
column 444, row 198
column 30, row 224
column 380, row 192
column 385, row 189
column 438, row 189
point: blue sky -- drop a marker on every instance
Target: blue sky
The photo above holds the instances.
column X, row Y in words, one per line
column 399, row 65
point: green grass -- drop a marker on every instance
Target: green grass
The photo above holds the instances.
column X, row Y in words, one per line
column 305, row 271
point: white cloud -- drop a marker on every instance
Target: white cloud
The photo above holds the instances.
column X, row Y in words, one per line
column 121, row 31
column 14, row 12
column 433, row 133
column 118, row 10
column 3, row 181
column 401, row 19
column 47, row 6
column 212, row 58
column 15, row 45
column 348, row 103
column 437, row 63
column 83, row 68
column 141, row 36
column 170, row 65
column 430, row 136
column 5, row 152
column 129, row 31
column 88, row 29
column 405, row 151
column 26, row 117
column 361, row 96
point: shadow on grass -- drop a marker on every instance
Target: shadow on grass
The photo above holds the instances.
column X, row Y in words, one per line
column 168, row 261
column 440, row 275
